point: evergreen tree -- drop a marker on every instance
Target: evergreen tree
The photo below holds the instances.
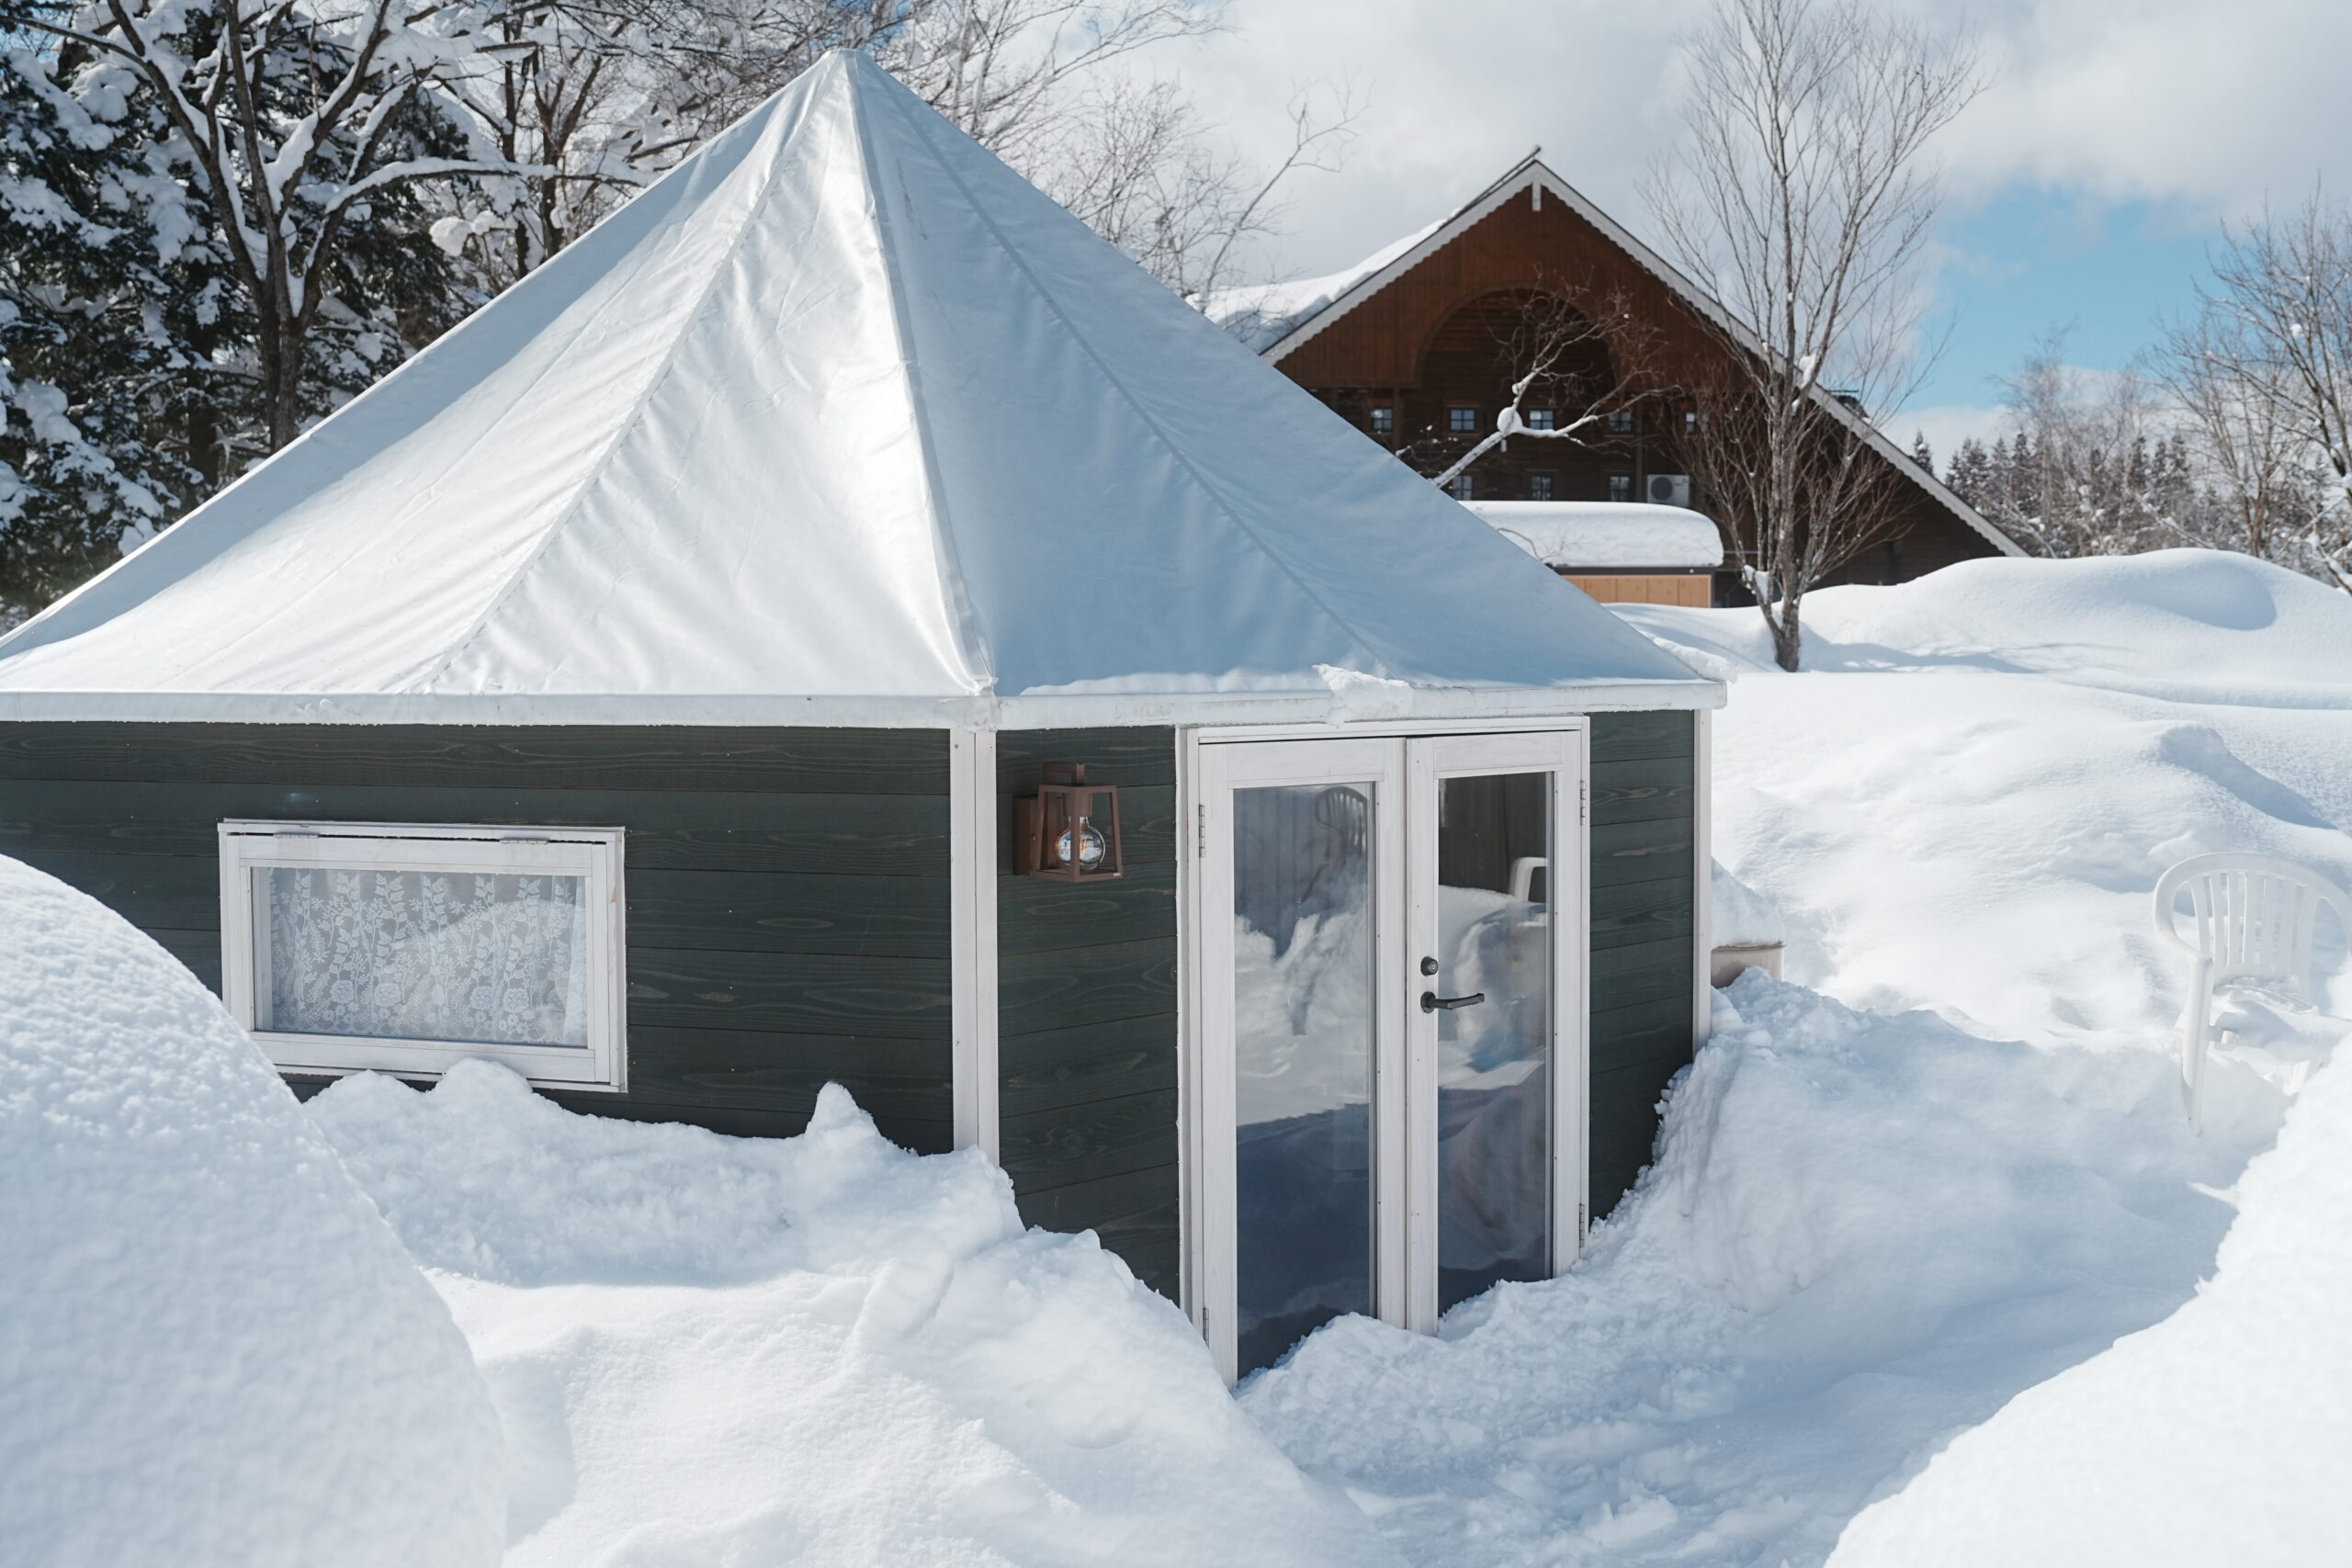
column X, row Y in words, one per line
column 144, row 366
column 102, row 295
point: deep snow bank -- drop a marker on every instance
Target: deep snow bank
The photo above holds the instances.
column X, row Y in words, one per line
column 820, row 1349
column 1965, row 799
column 1862, row 1233
column 213, row 1353
column 2218, row 1436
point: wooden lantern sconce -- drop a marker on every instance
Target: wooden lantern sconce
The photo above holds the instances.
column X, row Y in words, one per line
column 1069, row 831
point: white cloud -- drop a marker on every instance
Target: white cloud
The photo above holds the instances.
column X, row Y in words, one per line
column 2206, row 105
column 1947, row 426
column 2195, row 104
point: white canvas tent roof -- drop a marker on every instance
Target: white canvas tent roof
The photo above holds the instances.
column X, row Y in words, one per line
column 841, row 423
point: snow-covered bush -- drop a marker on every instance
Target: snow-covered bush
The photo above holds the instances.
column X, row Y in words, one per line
column 213, row 1353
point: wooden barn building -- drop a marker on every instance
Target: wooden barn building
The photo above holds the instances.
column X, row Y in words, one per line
column 841, row 621
column 1419, row 344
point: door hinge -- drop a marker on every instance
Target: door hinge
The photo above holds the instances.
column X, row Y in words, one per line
column 1581, row 787
column 1201, row 817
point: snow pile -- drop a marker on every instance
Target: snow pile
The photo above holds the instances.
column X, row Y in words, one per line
column 1864, row 1233
column 2217, row 1436
column 819, row 1350
column 213, row 1353
column 1965, row 800
column 1570, row 533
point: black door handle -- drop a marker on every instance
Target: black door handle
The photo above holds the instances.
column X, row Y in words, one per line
column 1432, row 1003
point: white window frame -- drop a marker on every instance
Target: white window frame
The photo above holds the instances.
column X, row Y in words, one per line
column 594, row 853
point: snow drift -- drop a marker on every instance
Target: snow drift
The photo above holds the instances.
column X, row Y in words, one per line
column 1871, row 1226
column 213, row 1353
column 1964, row 801
column 1861, row 1234
column 2217, row 1436
column 820, row 1349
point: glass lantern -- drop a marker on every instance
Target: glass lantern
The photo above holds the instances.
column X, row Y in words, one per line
column 1069, row 831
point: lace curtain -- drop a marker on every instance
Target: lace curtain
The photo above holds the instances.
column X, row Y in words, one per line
column 496, row 959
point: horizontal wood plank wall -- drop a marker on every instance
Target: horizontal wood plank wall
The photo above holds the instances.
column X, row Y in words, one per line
column 1087, row 1008
column 1642, row 886
column 787, row 888
column 1694, row 589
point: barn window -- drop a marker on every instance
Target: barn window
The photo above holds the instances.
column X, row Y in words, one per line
column 1620, row 487
column 1621, row 421
column 406, row 949
column 1383, row 420
column 1539, row 487
column 1543, row 419
column 1462, row 419
column 1461, row 488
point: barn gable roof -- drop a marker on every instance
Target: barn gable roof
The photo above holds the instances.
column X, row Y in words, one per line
column 1277, row 319
column 841, row 423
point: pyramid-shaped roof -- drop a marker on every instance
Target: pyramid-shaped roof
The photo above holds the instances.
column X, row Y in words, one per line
column 841, row 423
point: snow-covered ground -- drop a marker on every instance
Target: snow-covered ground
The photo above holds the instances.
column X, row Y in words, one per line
column 1870, row 1229
column 727, row 1353
column 1947, row 1165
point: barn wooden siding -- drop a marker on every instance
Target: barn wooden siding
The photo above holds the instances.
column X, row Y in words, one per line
column 787, row 888
column 1087, row 1008
column 1406, row 346
column 1643, row 883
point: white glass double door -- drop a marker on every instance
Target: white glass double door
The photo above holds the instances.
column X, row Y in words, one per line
column 1388, row 1090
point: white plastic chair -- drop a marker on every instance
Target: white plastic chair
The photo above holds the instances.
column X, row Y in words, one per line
column 2254, row 918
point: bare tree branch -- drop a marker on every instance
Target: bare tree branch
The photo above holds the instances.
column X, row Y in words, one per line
column 1801, row 197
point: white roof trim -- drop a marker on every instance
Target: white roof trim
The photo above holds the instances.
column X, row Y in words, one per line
column 1532, row 172
column 1380, row 701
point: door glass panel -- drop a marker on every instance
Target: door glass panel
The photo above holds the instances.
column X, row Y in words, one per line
column 1304, row 1032
column 1493, row 1057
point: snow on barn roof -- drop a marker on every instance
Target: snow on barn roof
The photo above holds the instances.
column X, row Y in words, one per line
column 1568, row 533
column 841, row 423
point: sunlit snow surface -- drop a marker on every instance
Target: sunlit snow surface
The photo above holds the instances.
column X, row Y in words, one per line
column 1866, row 1232
column 212, row 1353
column 729, row 1353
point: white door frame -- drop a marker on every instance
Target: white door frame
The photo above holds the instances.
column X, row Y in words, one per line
column 1430, row 760
column 1211, row 763
column 1223, row 770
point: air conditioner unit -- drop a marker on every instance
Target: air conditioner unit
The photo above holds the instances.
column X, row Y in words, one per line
column 1669, row 490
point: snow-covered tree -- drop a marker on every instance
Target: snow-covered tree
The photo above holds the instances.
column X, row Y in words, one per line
column 2264, row 371
column 105, row 288
column 591, row 99
column 306, row 128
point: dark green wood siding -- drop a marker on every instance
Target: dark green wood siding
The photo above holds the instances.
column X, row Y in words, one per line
column 787, row 888
column 1643, row 883
column 1087, row 1008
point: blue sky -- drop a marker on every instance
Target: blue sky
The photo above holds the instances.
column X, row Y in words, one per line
column 2033, row 259
column 2083, row 187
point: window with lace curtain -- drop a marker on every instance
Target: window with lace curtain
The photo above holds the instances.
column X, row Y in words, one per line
column 404, row 949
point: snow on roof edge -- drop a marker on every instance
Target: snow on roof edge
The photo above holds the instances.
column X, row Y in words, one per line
column 1370, row 699
column 1565, row 534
